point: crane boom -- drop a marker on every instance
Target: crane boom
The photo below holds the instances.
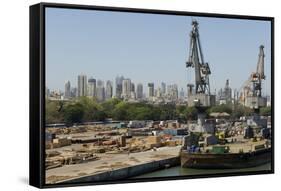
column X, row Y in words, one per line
column 251, row 94
column 260, row 65
column 196, row 60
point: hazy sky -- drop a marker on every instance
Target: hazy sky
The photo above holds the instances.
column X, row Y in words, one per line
column 150, row 47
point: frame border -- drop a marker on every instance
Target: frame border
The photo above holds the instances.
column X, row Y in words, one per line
column 37, row 92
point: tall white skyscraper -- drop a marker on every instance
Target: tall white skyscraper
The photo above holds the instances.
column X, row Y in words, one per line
column 92, row 87
column 108, row 90
column 82, row 85
column 172, row 92
column 139, row 91
column 126, row 88
column 67, row 90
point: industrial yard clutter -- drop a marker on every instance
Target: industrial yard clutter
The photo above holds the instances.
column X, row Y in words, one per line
column 87, row 150
column 199, row 132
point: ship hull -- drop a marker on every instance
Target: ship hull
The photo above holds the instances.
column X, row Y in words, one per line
column 225, row 161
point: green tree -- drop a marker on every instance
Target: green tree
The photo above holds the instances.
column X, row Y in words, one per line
column 247, row 111
column 265, row 111
column 141, row 113
column 167, row 112
column 93, row 111
column 190, row 113
column 238, row 112
column 180, row 110
column 73, row 113
column 120, row 111
column 109, row 106
column 221, row 108
column 54, row 111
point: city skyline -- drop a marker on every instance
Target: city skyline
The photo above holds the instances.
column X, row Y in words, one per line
column 89, row 86
column 152, row 51
column 127, row 90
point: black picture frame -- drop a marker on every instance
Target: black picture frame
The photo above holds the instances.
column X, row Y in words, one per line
column 37, row 92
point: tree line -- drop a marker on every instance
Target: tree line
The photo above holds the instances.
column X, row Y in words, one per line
column 86, row 109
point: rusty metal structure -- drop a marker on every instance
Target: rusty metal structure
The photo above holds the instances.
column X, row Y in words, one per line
column 251, row 94
column 196, row 60
column 201, row 96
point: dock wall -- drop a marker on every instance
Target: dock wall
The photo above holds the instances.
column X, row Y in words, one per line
column 127, row 172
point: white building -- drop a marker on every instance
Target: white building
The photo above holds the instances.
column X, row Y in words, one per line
column 172, row 92
column 126, row 89
column 82, row 85
column 92, row 87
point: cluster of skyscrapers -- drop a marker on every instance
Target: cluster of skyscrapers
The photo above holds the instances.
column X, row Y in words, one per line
column 89, row 87
column 124, row 89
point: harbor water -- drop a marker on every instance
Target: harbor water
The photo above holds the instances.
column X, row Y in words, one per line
column 179, row 171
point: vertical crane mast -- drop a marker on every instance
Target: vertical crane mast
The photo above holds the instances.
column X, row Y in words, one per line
column 259, row 75
column 196, row 60
column 201, row 98
column 252, row 97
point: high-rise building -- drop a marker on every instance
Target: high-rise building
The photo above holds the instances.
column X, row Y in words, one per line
column 67, row 88
column 150, row 89
column 109, row 90
column 126, row 89
column 100, row 91
column 227, row 91
column 182, row 94
column 73, row 92
column 172, row 92
column 163, row 88
column 92, row 87
column 225, row 95
column 132, row 87
column 139, row 91
column 82, row 85
column 158, row 93
column 133, row 95
column 118, row 86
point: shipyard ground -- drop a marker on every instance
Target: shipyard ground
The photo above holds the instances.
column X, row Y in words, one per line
column 113, row 162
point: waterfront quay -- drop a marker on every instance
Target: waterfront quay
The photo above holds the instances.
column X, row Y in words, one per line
column 143, row 162
column 105, row 151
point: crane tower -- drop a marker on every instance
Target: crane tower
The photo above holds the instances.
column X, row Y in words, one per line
column 252, row 89
column 201, row 96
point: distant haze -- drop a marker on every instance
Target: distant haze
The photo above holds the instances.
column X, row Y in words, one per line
column 150, row 48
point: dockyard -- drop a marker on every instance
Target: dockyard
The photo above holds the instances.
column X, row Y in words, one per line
column 103, row 141
column 90, row 152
